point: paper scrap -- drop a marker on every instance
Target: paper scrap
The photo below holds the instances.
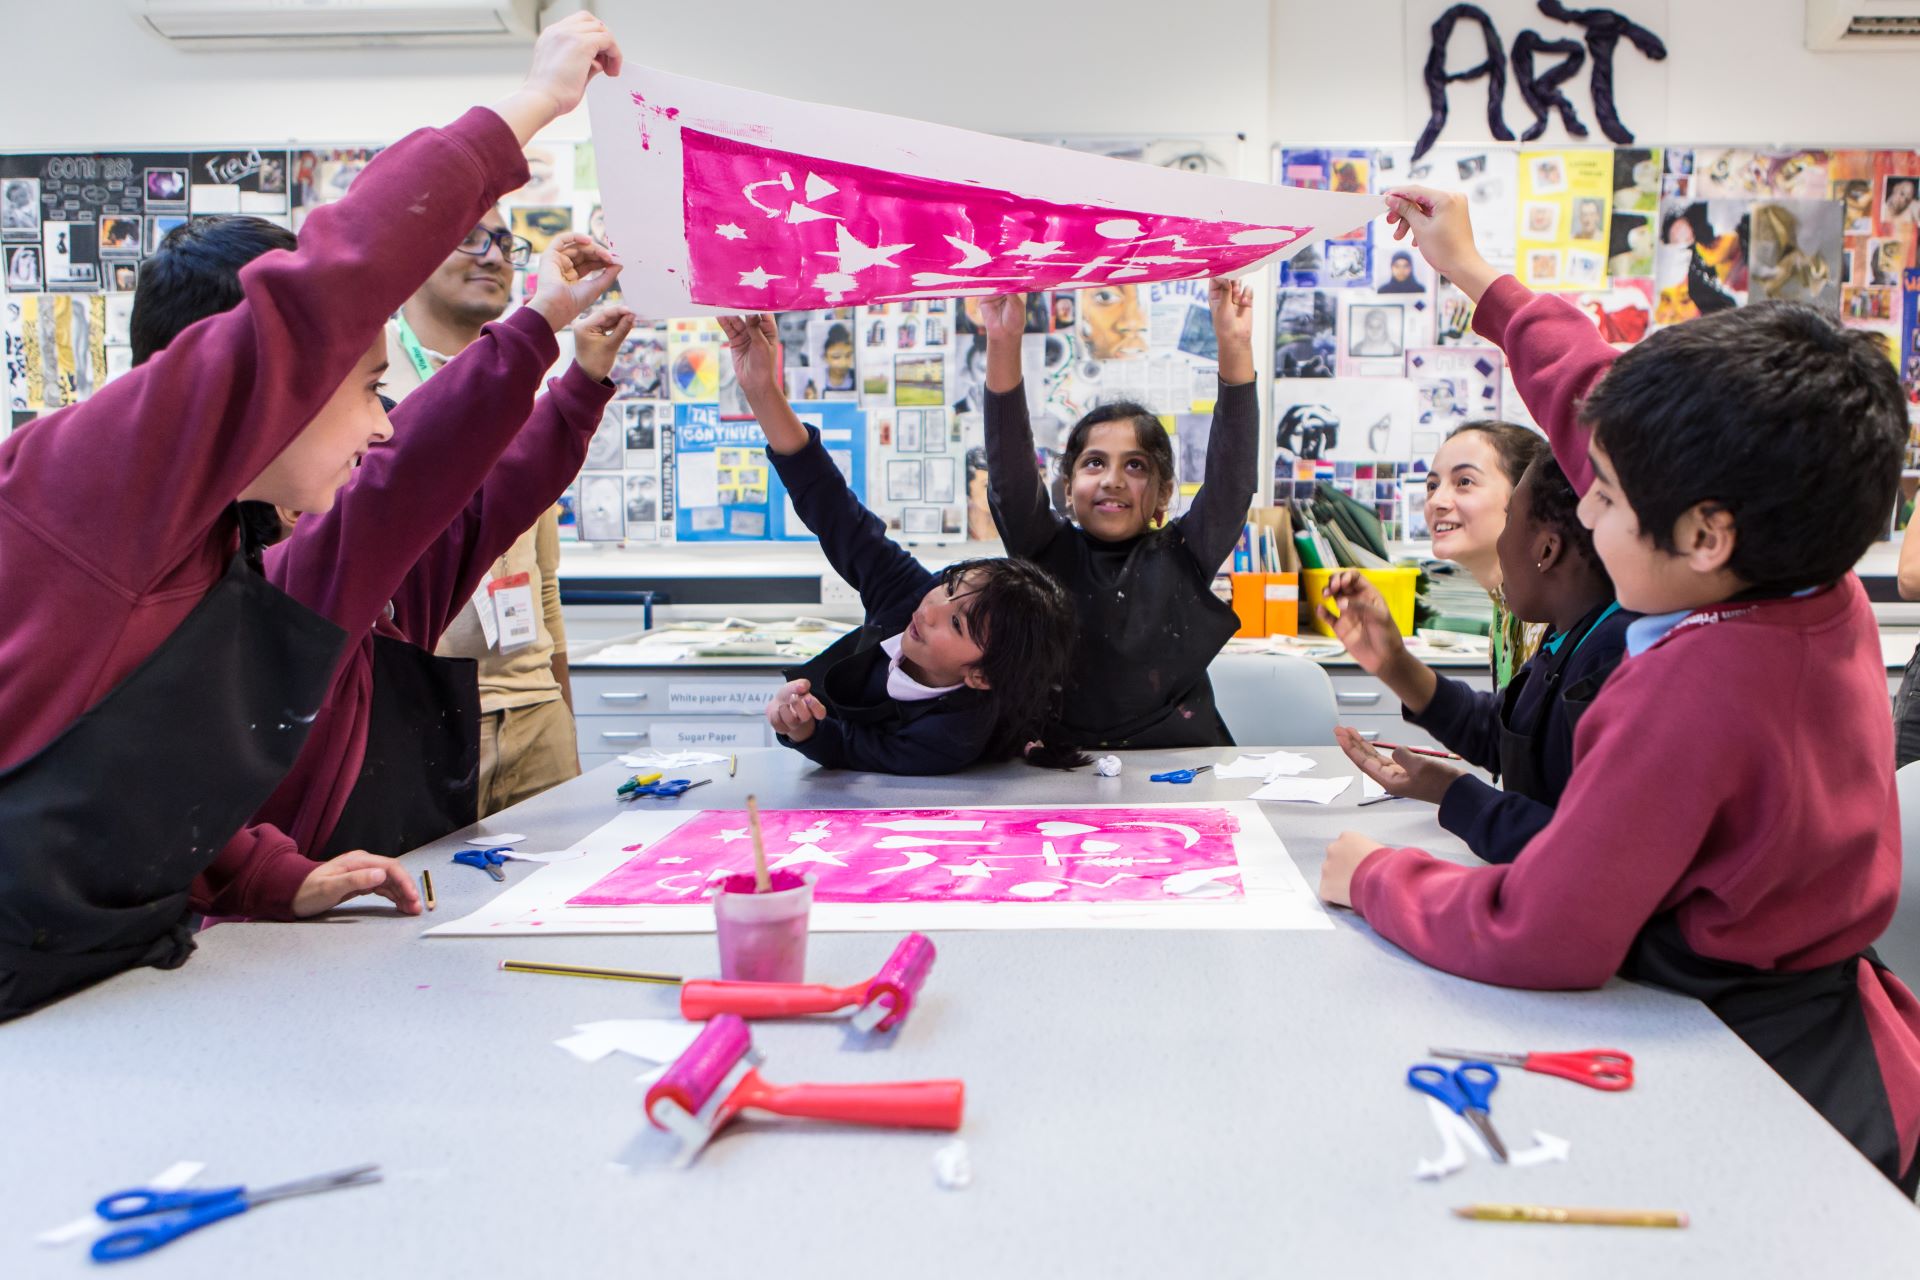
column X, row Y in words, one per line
column 1369, row 788
column 487, row 841
column 171, row 1178
column 670, row 759
column 952, row 1168
column 657, row 1040
column 1303, row 790
column 1266, row 767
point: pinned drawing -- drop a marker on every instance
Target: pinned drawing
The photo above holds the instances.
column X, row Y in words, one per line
column 1181, row 866
column 722, row 199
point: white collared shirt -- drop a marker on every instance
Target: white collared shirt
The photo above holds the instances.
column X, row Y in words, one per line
column 904, row 687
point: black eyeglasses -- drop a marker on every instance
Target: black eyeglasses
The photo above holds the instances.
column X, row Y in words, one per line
column 515, row 249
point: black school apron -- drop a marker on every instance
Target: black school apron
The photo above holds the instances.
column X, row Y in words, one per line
column 1809, row 1026
column 1523, row 754
column 842, row 674
column 104, row 829
column 421, row 776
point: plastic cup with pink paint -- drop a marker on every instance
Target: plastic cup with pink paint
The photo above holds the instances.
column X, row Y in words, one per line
column 763, row 936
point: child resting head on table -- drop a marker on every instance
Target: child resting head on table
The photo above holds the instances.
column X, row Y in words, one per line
column 1524, row 732
column 950, row 667
column 1731, row 828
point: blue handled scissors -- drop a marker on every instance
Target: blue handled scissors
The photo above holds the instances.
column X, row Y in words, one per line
column 200, row 1207
column 488, row 860
column 1465, row 1091
column 666, row 790
column 1180, row 775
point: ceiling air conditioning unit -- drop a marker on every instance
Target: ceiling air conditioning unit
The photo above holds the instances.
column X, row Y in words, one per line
column 1849, row 26
column 334, row 24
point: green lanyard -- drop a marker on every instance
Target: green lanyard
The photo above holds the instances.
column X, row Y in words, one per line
column 410, row 344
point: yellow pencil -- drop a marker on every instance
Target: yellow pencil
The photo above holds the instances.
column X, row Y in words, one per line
column 588, row 971
column 1581, row 1217
column 426, row 887
column 733, row 765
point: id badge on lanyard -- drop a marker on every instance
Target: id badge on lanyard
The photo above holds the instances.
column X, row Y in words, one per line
column 505, row 609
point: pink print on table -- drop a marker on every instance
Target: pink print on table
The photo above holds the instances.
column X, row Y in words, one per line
column 771, row 230
column 1103, row 855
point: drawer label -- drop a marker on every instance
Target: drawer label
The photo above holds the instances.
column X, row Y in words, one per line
column 720, row 697
column 707, row 735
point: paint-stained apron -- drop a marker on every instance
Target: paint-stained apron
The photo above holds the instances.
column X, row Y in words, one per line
column 421, row 776
column 104, row 829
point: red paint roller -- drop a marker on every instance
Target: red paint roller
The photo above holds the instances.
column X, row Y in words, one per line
column 716, row 1079
column 883, row 1002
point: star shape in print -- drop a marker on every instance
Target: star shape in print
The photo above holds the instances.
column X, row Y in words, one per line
column 729, row 834
column 758, row 278
column 974, row 869
column 730, row 231
column 806, row 853
column 856, row 257
column 812, row 835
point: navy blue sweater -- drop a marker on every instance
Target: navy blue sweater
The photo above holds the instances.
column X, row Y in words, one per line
column 1497, row 824
column 866, row 728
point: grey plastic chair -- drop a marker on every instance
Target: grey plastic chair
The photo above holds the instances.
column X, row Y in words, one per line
column 1271, row 700
column 1899, row 946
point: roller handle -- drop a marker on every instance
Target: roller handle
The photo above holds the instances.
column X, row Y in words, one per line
column 918, row 1104
column 703, row 999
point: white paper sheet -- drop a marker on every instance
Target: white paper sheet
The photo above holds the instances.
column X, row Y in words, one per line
column 1277, row 895
column 1265, row 766
column 1303, row 790
column 659, row 1040
column 638, row 121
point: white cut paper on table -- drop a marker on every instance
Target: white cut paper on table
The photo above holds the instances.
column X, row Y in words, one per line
column 1265, row 766
column 171, row 1178
column 1303, row 790
column 658, row 1040
column 1369, row 788
column 1276, row 894
column 670, row 759
column 486, row 841
column 638, row 119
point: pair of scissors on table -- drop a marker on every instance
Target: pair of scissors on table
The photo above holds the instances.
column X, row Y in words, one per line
column 487, row 860
column 665, row 790
column 1606, row 1069
column 198, row 1207
column 1180, row 775
column 1465, row 1091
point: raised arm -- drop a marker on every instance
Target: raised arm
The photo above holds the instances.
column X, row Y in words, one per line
column 1016, row 494
column 1553, row 351
column 853, row 539
column 410, row 494
column 1213, row 524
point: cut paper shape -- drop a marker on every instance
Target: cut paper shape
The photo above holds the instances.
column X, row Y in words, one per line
column 1098, row 846
column 1038, row 889
column 1458, row 1137
column 1060, row 829
column 1187, row 833
column 904, row 208
column 951, row 824
column 1370, row 789
column 1266, row 767
column 485, row 841
column 171, row 1178
column 650, row 1039
column 1201, row 883
column 1303, row 790
column 921, row 842
column 808, row 853
column 614, row 888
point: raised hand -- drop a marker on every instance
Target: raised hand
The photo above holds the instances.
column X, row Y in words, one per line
column 567, row 55
column 1231, row 302
column 1442, row 231
column 597, row 337
column 794, row 712
column 575, row 270
column 754, row 344
column 1004, row 316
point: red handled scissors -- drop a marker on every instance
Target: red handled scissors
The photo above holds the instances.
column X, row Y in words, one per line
column 1606, row 1069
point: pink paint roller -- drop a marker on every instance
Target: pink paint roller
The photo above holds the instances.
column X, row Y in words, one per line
column 716, row 1079
column 883, row 1002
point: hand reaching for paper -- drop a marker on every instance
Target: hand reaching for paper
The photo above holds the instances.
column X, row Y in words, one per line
column 1231, row 302
column 754, row 344
column 573, row 271
column 1004, row 316
column 568, row 53
column 597, row 337
column 1442, row 231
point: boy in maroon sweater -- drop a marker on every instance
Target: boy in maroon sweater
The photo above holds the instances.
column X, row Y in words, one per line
column 399, row 553
column 153, row 688
column 1731, row 828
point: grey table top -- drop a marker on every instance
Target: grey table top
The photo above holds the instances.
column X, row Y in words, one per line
column 1139, row 1104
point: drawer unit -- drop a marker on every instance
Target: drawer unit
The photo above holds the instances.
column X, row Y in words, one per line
column 700, row 709
column 1367, row 705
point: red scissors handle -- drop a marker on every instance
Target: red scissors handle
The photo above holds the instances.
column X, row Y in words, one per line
column 1607, row 1069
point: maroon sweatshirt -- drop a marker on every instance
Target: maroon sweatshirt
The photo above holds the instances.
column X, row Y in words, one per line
column 1737, row 774
column 114, row 512
column 427, row 513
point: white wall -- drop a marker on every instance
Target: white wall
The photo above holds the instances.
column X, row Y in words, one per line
column 996, row 65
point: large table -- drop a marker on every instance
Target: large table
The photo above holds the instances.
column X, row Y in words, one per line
column 1139, row 1104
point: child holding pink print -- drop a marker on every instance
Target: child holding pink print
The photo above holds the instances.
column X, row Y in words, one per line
column 1142, row 587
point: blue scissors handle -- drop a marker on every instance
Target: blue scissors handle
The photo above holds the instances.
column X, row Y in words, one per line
column 1179, row 775
column 133, row 1204
column 131, row 1242
column 1468, row 1087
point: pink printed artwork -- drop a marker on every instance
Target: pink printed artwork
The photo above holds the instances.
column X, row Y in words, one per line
column 863, row 856
column 771, row 230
